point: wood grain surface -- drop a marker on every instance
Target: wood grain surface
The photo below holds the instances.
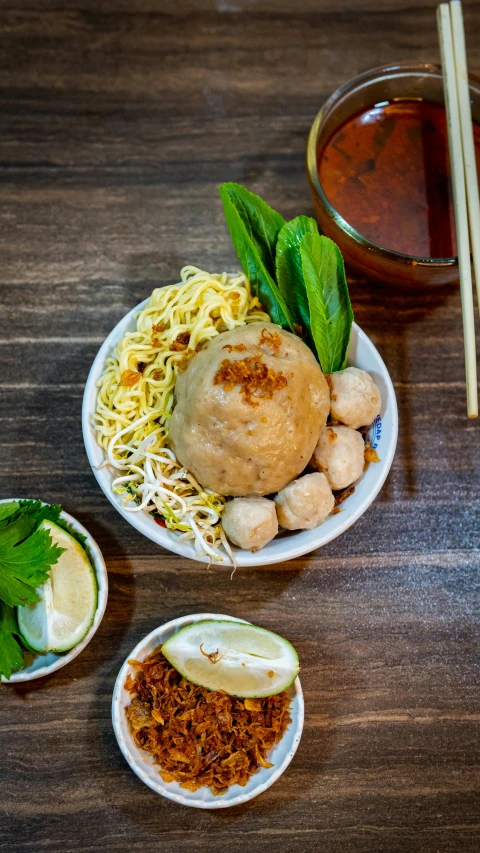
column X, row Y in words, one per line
column 118, row 121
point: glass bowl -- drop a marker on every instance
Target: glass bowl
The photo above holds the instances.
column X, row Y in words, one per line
column 402, row 81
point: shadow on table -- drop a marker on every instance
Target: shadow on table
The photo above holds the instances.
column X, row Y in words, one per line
column 387, row 315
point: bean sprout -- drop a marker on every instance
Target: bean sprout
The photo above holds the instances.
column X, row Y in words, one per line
column 136, row 397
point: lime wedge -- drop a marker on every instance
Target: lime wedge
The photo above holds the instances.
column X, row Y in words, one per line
column 241, row 659
column 68, row 599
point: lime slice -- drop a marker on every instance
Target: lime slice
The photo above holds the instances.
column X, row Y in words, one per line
column 68, row 599
column 241, row 659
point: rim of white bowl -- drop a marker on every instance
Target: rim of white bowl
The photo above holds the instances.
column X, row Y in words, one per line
column 156, row 782
column 285, row 548
column 98, row 562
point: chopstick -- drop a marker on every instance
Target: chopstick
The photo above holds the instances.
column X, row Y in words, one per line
column 457, row 168
column 466, row 126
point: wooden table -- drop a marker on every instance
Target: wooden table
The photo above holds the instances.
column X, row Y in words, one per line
column 119, row 119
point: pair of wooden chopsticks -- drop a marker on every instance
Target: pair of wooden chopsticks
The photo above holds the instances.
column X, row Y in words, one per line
column 464, row 176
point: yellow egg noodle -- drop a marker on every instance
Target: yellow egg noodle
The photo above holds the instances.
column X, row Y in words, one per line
column 136, row 397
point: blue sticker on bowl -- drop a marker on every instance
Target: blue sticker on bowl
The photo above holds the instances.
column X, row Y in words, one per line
column 376, row 432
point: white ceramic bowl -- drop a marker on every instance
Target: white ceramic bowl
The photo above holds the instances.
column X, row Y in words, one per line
column 46, row 664
column 142, row 763
column 383, row 437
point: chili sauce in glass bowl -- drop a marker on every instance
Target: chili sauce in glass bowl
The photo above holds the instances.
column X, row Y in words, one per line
column 378, row 166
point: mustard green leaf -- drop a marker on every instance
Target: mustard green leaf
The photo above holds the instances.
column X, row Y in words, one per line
column 331, row 314
column 254, row 228
column 290, row 272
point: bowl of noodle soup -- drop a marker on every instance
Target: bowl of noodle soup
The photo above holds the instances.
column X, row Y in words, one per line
column 129, row 398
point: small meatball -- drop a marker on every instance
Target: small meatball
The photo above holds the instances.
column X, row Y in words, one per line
column 354, row 398
column 250, row 522
column 304, row 503
column 340, row 454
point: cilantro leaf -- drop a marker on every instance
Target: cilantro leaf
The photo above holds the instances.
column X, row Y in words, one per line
column 26, row 556
column 51, row 512
column 8, row 509
column 60, row 522
column 11, row 657
column 39, row 512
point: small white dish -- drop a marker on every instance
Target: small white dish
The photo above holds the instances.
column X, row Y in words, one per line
column 142, row 763
column 382, row 436
column 45, row 664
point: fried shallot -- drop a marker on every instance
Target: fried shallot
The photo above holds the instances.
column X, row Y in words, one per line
column 200, row 737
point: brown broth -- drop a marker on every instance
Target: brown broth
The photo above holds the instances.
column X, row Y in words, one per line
column 386, row 171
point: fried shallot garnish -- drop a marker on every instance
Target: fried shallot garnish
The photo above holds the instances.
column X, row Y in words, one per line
column 237, row 348
column 342, row 496
column 200, row 737
column 270, row 341
column 130, row 378
column 185, row 360
column 255, row 378
column 156, row 332
column 370, row 454
column 181, row 342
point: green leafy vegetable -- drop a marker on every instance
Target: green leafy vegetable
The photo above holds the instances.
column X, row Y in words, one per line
column 290, row 272
column 11, row 657
column 262, row 222
column 38, row 512
column 8, row 509
column 254, row 228
column 34, row 510
column 331, row 314
column 66, row 526
column 26, row 556
column 298, row 275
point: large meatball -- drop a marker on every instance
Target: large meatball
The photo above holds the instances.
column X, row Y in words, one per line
column 340, row 454
column 250, row 522
column 305, row 503
column 355, row 399
column 249, row 410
